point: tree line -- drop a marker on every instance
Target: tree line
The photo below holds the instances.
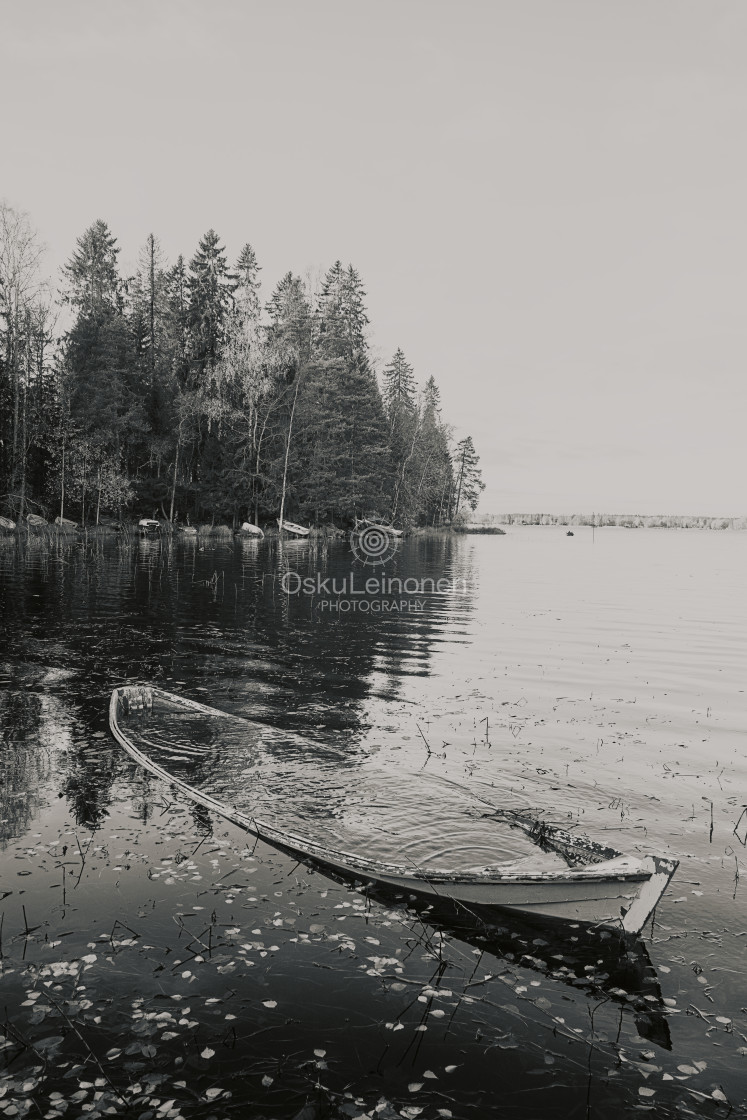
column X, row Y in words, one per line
column 180, row 392
column 620, row 520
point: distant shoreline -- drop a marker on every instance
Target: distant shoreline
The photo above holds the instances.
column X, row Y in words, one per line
column 619, row 520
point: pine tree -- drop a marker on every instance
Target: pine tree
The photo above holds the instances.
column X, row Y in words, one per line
column 468, row 483
column 149, row 301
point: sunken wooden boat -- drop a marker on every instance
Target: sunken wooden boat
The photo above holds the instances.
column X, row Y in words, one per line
column 584, row 882
column 291, row 527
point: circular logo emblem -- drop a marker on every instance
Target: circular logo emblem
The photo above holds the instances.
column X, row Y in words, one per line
column 373, row 544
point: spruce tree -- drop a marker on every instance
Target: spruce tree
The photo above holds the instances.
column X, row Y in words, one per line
column 92, row 274
column 210, row 300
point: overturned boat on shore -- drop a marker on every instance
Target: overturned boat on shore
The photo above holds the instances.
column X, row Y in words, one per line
column 250, row 530
column 208, row 755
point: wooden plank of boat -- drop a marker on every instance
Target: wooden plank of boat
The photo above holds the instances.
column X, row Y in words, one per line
column 291, row 527
column 7, row 524
column 250, row 530
column 35, row 519
column 593, row 884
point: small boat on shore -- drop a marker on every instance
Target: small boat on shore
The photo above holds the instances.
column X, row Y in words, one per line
column 186, row 530
column 7, row 525
column 35, row 520
column 566, row 876
column 65, row 523
column 250, row 530
column 362, row 524
column 148, row 527
column 291, row 527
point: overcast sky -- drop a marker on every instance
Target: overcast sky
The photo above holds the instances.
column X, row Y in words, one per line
column 546, row 200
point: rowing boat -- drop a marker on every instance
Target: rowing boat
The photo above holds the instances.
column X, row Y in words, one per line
column 216, row 759
column 291, row 527
column 250, row 530
column 362, row 524
column 35, row 519
column 148, row 526
column 7, row 524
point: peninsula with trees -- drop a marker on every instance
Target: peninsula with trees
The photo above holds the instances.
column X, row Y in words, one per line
column 180, row 392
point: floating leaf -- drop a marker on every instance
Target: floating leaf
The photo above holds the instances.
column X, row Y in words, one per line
column 49, row 1042
column 269, row 1003
column 643, row 1092
column 718, row 1095
column 267, row 1080
column 415, row 1086
column 207, row 1053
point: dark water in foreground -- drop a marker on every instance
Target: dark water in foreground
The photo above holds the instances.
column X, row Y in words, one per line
column 157, row 961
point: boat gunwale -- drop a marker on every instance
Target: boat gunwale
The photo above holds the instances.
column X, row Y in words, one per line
column 285, row 526
column 594, row 873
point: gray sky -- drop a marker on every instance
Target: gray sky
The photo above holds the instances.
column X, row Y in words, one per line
column 546, row 200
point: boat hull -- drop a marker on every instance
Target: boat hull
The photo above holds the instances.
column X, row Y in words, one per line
column 364, row 524
column 148, row 527
column 291, row 527
column 608, row 889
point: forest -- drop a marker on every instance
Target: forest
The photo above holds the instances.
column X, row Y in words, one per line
column 181, row 392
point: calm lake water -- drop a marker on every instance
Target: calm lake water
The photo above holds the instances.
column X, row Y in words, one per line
column 159, row 960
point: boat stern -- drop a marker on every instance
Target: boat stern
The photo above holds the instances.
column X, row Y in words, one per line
column 646, row 900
